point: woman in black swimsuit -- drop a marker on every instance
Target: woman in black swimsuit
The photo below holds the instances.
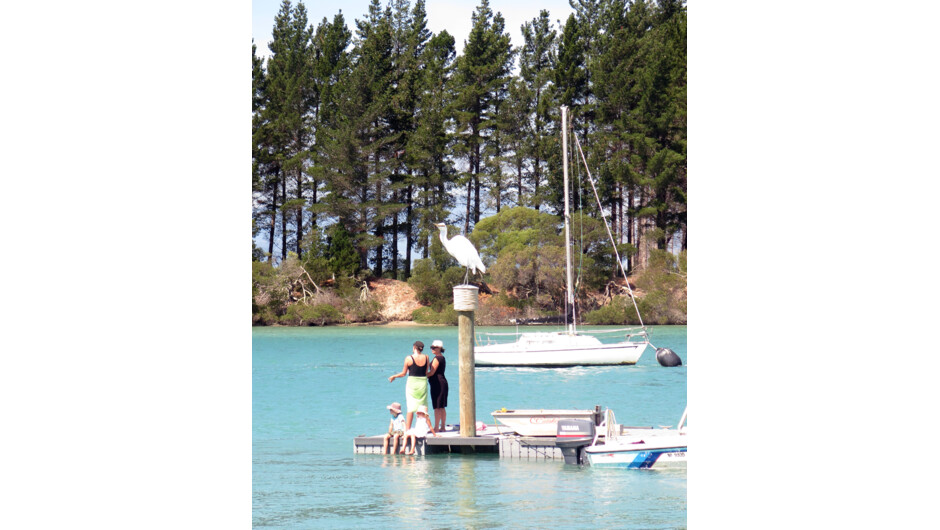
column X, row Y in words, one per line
column 438, row 385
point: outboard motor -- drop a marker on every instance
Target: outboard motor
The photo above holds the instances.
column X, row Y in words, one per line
column 572, row 437
column 667, row 357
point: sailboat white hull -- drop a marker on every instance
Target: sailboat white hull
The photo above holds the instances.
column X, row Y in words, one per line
column 558, row 350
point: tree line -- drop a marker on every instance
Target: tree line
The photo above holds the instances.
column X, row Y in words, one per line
column 365, row 139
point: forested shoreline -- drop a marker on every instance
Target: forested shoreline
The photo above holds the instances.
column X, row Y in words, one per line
column 363, row 139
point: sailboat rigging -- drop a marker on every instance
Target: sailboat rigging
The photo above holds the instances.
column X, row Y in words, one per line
column 569, row 347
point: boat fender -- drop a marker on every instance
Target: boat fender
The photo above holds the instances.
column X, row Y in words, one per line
column 667, row 357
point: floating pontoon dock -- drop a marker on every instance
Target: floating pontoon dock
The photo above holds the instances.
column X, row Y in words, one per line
column 506, row 443
column 493, row 439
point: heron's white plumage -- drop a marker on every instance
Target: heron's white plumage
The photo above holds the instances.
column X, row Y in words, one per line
column 462, row 250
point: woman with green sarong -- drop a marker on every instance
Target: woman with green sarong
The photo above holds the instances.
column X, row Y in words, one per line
column 416, row 389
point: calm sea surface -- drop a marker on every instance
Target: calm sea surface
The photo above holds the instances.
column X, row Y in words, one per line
column 315, row 389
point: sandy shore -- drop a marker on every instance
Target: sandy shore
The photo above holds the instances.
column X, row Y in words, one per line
column 392, row 324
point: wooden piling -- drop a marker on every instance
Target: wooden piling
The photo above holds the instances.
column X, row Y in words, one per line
column 465, row 303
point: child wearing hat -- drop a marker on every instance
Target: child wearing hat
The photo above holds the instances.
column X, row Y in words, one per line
column 420, row 430
column 396, row 428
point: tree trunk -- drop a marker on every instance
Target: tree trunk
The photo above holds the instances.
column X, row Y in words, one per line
column 519, row 180
column 620, row 213
column 614, row 218
column 476, row 196
column 427, row 206
column 273, row 220
column 284, row 221
column 476, row 187
column 536, row 177
column 300, row 209
column 379, row 223
column 313, row 200
column 409, row 232
column 630, row 222
column 379, row 249
column 394, row 248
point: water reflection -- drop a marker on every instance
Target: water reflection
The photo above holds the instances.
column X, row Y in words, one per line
column 466, row 489
column 408, row 487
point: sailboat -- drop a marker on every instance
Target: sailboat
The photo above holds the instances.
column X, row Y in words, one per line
column 569, row 347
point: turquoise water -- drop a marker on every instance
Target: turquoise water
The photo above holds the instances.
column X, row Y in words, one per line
column 315, row 389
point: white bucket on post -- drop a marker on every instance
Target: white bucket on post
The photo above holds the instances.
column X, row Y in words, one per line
column 465, row 297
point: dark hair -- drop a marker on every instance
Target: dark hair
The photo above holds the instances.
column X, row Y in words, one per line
column 419, row 345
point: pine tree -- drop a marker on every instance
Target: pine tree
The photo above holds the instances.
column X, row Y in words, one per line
column 536, row 68
column 640, row 86
column 354, row 149
column 330, row 59
column 411, row 64
column 258, row 158
column 517, row 131
column 570, row 74
column 428, row 148
column 290, row 99
column 483, row 73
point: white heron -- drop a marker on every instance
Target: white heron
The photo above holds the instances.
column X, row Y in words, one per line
column 462, row 250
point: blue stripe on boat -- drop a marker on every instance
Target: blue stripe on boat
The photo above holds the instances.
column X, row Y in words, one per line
column 644, row 459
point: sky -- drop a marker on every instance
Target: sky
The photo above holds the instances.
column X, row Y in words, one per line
column 452, row 15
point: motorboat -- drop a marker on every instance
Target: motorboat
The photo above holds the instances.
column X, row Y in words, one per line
column 640, row 448
column 539, row 422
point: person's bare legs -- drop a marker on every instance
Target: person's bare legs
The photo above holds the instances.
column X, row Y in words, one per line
column 440, row 414
column 385, row 444
column 408, row 420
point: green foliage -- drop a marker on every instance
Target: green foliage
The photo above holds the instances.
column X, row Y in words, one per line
column 481, row 83
column 432, row 287
column 619, row 311
column 511, row 301
column 311, row 315
column 664, row 299
column 570, row 71
column 515, row 227
column 537, row 60
column 341, row 254
column 428, row 315
column 665, row 272
column 269, row 294
column 530, row 255
column 314, row 261
column 655, row 308
column 529, row 271
column 364, row 311
column 363, row 131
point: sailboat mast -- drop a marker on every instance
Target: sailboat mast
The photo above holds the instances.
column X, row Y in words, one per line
column 564, row 152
